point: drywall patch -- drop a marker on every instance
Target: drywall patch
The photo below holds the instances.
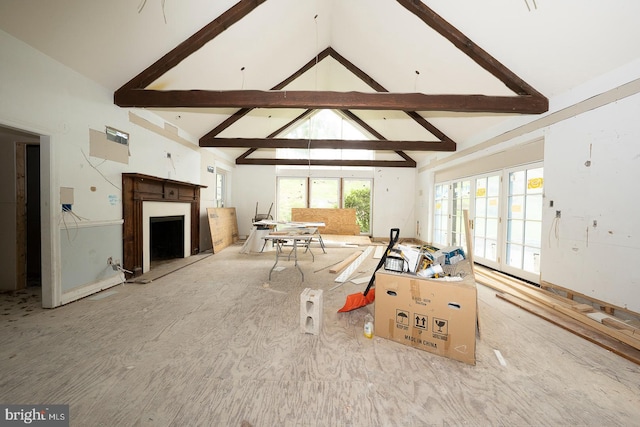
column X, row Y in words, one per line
column 101, row 147
column 66, row 195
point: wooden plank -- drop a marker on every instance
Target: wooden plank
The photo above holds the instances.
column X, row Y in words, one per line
column 583, row 307
column 341, row 266
column 615, row 323
column 539, row 296
column 544, row 284
column 344, row 276
column 379, row 252
column 575, row 327
column 223, row 226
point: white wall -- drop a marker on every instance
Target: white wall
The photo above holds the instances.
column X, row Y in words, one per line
column 394, row 203
column 592, row 171
column 43, row 97
column 253, row 184
column 424, row 206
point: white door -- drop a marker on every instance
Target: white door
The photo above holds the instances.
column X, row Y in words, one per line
column 524, row 222
column 486, row 220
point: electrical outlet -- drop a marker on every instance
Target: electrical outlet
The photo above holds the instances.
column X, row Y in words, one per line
column 168, row 155
column 558, row 213
column 66, row 207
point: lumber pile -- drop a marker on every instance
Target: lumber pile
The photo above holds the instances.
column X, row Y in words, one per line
column 581, row 319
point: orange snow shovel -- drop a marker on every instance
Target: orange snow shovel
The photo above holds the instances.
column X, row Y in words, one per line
column 355, row 301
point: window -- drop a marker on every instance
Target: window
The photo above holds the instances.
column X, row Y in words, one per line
column 325, row 193
column 220, row 189
column 291, row 193
column 116, row 135
column 324, row 124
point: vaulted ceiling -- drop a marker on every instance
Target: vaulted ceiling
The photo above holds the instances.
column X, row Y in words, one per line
column 418, row 77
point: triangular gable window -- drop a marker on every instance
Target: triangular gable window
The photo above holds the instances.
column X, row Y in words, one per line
column 325, row 124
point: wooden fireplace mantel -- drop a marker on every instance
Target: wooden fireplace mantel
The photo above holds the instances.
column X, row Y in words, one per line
column 138, row 188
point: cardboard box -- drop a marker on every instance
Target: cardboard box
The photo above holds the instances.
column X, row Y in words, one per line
column 431, row 315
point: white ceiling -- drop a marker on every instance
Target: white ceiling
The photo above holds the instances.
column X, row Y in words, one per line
column 554, row 45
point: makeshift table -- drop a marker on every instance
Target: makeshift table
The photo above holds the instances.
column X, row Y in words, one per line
column 280, row 239
column 294, row 226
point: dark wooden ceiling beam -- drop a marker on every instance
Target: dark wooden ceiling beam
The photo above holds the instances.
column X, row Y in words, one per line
column 365, row 144
column 330, row 99
column 314, row 162
column 467, row 46
column 192, row 44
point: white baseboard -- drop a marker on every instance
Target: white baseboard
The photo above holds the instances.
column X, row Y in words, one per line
column 91, row 288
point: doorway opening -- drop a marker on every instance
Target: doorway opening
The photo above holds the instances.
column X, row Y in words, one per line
column 28, row 216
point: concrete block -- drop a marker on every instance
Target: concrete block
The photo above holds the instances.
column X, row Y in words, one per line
column 311, row 311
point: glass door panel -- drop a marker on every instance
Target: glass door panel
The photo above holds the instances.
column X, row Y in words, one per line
column 291, row 193
column 441, row 215
column 486, row 218
column 357, row 194
column 524, row 223
column 460, row 200
column 324, row 193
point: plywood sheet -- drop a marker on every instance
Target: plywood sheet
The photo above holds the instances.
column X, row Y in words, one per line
column 338, row 221
column 223, row 225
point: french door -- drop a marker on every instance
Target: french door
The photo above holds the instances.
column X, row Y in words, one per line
column 506, row 219
column 524, row 223
column 486, row 220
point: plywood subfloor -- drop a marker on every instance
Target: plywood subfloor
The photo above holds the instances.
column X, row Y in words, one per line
column 216, row 344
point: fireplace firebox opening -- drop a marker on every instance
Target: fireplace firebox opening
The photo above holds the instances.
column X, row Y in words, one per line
column 166, row 237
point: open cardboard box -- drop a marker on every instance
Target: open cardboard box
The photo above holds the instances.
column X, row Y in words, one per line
column 431, row 315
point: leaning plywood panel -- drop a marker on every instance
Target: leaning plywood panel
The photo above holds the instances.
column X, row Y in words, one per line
column 337, row 221
column 223, row 225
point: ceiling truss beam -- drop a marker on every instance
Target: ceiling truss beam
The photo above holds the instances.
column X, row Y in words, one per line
column 329, row 143
column 302, row 162
column 467, row 46
column 333, row 100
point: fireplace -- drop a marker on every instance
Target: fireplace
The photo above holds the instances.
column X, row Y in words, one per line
column 165, row 215
column 145, row 197
column 166, row 237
